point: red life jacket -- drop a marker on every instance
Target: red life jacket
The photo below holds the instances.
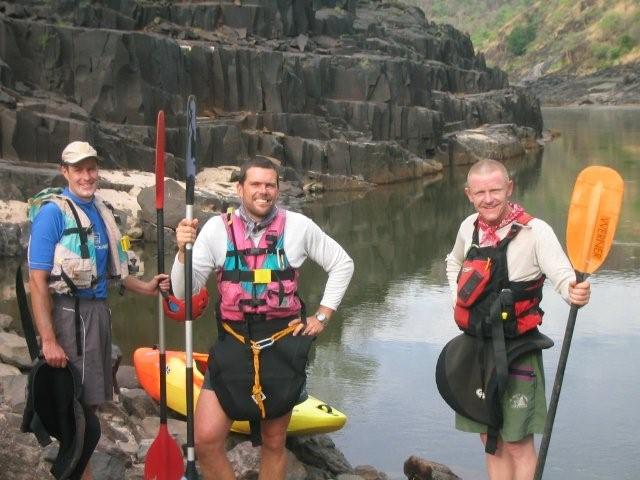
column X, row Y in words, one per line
column 257, row 280
column 484, row 274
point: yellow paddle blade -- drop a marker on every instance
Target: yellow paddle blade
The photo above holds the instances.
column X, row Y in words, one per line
column 593, row 216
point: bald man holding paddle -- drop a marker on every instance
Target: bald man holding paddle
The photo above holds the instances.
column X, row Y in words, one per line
column 492, row 374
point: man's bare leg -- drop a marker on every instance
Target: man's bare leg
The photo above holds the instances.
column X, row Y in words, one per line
column 500, row 465
column 273, row 462
column 211, row 427
column 523, row 456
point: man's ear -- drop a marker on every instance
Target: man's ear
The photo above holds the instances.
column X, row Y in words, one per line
column 467, row 192
column 509, row 188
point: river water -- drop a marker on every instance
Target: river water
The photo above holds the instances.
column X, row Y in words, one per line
column 377, row 359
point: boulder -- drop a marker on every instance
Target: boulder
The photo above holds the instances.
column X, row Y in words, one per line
column 20, row 453
column 497, row 142
column 13, row 388
column 126, row 377
column 245, row 460
column 420, row 469
column 320, row 452
column 6, row 321
column 137, row 402
column 13, row 350
column 368, row 472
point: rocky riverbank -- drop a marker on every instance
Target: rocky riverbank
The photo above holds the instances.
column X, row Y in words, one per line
column 613, row 86
column 132, row 192
column 130, row 423
column 132, row 195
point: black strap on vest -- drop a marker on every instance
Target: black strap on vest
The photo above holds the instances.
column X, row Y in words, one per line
column 82, row 232
column 502, row 245
column 238, row 276
column 255, row 251
column 76, row 298
column 84, row 253
column 500, row 310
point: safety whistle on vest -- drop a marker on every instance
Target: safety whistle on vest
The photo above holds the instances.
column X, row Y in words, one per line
column 506, row 300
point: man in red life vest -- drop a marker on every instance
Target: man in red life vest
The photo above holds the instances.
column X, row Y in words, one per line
column 503, row 249
column 257, row 366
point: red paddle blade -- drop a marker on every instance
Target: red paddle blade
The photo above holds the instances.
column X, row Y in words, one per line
column 160, row 143
column 164, row 458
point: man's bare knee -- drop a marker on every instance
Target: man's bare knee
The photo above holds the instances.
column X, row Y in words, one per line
column 211, row 424
column 521, row 449
column 274, row 441
column 274, row 433
column 209, row 438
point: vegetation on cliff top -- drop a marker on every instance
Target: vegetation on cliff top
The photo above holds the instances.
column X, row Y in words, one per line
column 526, row 37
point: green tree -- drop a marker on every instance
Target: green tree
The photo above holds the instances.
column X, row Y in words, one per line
column 520, row 37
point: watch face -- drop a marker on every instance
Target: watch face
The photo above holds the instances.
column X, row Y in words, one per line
column 322, row 318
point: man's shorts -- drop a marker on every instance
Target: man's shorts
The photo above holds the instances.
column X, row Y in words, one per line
column 524, row 405
column 94, row 364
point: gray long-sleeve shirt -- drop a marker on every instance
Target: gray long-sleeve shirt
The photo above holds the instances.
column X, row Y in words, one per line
column 302, row 239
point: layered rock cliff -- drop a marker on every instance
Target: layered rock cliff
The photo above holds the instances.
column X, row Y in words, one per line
column 364, row 88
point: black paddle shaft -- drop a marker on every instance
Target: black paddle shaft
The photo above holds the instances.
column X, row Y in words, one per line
column 190, row 174
column 557, row 385
column 162, row 356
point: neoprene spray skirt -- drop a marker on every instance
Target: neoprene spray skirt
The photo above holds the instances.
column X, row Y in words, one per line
column 282, row 370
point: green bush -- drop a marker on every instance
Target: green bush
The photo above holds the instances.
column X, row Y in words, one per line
column 505, row 12
column 611, row 23
column 626, row 43
column 600, row 51
column 439, row 9
column 520, row 37
column 480, row 37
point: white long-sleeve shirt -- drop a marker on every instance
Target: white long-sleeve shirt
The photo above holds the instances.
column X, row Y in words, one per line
column 302, row 239
column 534, row 251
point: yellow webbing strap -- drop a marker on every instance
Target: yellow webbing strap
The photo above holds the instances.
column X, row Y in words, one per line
column 256, row 347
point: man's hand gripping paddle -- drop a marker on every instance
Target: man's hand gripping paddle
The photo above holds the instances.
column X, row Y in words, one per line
column 591, row 225
column 164, row 458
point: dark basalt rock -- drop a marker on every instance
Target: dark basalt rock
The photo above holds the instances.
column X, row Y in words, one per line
column 334, row 86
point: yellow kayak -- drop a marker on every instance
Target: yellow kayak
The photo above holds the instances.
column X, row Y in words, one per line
column 309, row 417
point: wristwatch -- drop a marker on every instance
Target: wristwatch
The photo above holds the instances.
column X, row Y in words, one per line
column 322, row 318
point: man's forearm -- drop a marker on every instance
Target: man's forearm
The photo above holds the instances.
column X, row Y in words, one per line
column 42, row 306
column 136, row 285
